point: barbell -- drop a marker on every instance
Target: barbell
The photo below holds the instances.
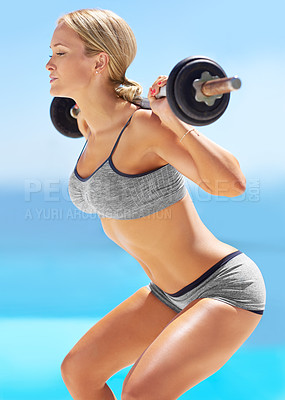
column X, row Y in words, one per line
column 197, row 90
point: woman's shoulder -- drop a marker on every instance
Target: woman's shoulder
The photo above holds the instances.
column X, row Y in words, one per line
column 149, row 126
column 146, row 124
column 144, row 137
column 145, row 116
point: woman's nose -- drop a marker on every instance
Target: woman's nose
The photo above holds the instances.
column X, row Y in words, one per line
column 49, row 65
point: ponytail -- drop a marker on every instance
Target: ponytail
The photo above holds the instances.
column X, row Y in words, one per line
column 129, row 90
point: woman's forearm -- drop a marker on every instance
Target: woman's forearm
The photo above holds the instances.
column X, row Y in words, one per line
column 217, row 166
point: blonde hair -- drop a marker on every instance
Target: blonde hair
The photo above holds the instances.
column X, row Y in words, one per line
column 105, row 31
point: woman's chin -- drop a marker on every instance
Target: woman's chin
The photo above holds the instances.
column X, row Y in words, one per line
column 58, row 93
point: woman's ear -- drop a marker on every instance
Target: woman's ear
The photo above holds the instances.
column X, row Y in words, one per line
column 102, row 60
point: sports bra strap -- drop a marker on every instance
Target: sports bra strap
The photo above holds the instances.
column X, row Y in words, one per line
column 119, row 137
column 129, row 120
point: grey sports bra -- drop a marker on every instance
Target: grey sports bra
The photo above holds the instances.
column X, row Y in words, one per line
column 111, row 193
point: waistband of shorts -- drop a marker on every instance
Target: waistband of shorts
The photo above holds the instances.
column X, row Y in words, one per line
column 205, row 275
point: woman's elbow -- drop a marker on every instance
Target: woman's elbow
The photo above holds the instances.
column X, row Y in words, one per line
column 238, row 188
column 230, row 188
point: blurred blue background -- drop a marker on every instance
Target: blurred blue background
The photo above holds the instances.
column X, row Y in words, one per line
column 55, row 260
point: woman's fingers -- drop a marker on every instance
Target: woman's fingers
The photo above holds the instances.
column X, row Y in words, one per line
column 158, row 83
column 159, row 106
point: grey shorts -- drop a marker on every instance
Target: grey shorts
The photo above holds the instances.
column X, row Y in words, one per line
column 235, row 280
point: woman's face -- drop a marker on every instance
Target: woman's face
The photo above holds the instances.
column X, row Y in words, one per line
column 70, row 69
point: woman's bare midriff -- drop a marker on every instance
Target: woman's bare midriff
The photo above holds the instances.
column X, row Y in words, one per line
column 172, row 245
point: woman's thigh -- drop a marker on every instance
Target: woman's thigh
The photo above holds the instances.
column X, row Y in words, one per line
column 197, row 342
column 118, row 339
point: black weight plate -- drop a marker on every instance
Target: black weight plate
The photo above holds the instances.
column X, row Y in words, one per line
column 171, row 84
column 62, row 119
column 199, row 112
column 182, row 92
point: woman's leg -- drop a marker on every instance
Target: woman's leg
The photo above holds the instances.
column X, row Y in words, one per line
column 113, row 343
column 198, row 342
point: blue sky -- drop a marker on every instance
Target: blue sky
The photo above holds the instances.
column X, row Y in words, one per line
column 244, row 37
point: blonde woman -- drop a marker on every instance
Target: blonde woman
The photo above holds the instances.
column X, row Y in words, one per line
column 205, row 297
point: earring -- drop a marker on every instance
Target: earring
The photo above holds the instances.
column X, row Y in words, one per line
column 96, row 72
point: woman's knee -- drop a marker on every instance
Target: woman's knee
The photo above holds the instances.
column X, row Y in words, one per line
column 70, row 368
column 77, row 371
column 129, row 394
column 140, row 388
column 138, row 392
column 67, row 367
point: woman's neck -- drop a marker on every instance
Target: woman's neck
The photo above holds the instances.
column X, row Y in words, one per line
column 102, row 109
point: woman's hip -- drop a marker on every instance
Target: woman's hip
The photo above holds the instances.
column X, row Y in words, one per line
column 235, row 279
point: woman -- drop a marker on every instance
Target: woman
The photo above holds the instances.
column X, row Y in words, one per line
column 205, row 297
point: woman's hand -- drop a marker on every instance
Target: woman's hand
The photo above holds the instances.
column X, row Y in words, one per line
column 160, row 106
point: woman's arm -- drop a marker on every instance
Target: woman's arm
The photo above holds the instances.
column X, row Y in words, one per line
column 200, row 159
